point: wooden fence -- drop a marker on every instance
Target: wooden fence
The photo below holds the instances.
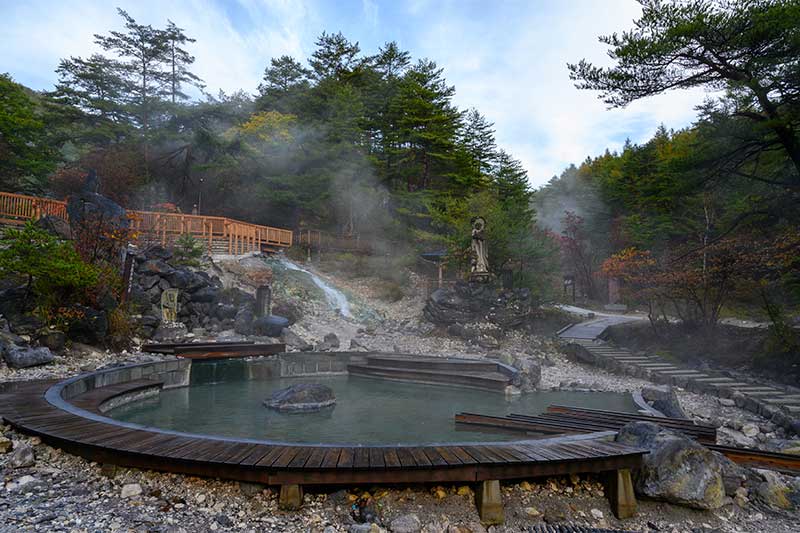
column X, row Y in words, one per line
column 219, row 234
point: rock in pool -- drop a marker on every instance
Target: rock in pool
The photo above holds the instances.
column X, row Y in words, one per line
column 303, row 397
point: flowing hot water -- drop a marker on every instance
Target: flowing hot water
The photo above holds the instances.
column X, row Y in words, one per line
column 335, row 297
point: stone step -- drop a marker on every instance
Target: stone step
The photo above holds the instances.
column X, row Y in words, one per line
column 758, row 389
column 686, row 373
column 759, row 394
column 658, row 366
column 719, row 379
column 782, row 400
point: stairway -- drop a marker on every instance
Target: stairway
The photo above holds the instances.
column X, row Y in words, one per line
column 485, row 375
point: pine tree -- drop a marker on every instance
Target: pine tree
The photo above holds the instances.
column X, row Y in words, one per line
column 335, row 57
column 477, row 137
column 285, row 80
column 178, row 62
column 144, row 53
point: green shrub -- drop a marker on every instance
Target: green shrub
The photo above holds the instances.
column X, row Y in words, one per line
column 55, row 272
column 188, row 251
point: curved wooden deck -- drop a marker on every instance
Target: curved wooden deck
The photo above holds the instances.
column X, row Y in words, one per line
column 69, row 415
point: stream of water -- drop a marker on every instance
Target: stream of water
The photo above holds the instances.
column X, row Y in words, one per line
column 335, row 297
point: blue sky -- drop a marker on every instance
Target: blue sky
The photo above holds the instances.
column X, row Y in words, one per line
column 507, row 58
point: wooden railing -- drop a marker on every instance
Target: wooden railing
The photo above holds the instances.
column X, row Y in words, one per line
column 321, row 240
column 219, row 234
column 17, row 208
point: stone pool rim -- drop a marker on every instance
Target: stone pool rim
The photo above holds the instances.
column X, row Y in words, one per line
column 54, row 396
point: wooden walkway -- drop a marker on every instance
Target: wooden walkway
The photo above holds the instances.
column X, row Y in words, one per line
column 219, row 234
column 77, row 426
column 561, row 419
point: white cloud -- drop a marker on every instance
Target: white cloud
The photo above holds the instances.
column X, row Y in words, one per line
column 509, row 63
column 516, row 75
column 38, row 34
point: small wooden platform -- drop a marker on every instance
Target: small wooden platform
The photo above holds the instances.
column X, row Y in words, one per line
column 481, row 374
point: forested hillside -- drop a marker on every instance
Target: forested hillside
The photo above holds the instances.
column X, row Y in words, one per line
column 704, row 221
column 353, row 142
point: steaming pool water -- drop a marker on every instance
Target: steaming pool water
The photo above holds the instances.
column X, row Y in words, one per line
column 368, row 411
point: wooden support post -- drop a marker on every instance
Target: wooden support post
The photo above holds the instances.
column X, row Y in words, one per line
column 291, row 497
column 489, row 502
column 620, row 494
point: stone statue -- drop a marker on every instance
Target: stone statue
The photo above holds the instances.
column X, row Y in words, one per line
column 169, row 305
column 480, row 259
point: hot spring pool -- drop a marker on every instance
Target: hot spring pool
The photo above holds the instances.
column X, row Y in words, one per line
column 367, row 411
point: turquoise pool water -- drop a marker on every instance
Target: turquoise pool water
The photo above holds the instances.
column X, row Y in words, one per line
column 368, row 411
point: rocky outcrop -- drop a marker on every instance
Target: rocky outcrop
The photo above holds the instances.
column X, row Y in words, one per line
column 469, row 302
column 56, row 226
column 664, row 400
column 25, row 356
column 88, row 207
column 303, row 397
column 677, row 469
column 269, row 326
column 202, row 300
column 295, row 341
column 329, row 342
column 530, row 373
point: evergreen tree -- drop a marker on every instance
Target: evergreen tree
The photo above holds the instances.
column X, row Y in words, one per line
column 477, row 137
column 26, row 155
column 335, row 57
column 144, row 54
column 284, row 82
column 93, row 85
column 178, row 63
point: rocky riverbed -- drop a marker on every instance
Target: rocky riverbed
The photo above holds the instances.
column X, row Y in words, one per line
column 60, row 492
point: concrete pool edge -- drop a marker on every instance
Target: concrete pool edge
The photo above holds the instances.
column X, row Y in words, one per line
column 178, row 373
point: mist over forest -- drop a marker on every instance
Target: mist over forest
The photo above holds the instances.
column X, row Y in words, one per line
column 697, row 223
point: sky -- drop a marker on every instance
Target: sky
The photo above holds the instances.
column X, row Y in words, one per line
column 507, row 58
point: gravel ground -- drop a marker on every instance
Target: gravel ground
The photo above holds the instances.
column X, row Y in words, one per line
column 60, row 492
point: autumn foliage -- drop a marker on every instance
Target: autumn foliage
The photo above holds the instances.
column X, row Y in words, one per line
column 693, row 286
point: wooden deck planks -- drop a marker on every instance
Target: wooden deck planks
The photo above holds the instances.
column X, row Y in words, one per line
column 27, row 408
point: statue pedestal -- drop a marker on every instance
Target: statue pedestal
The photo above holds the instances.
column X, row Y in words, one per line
column 479, row 277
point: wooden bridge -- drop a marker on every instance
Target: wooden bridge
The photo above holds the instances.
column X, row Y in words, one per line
column 220, row 235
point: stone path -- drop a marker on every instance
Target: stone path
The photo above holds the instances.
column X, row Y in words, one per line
column 776, row 404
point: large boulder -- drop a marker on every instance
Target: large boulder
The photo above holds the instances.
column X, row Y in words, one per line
column 170, row 332
column 55, row 226
column 243, row 323
column 269, row 326
column 15, row 305
column 157, row 251
column 665, row 400
column 89, row 327
column 155, row 267
column 25, row 356
column 677, row 469
column 469, row 302
column 303, row 397
column 287, row 309
column 88, row 206
column 530, row 373
column 186, row 280
column 53, row 339
column 329, row 342
column 205, row 294
column 293, row 340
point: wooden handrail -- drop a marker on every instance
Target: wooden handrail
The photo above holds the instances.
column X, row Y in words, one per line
column 239, row 237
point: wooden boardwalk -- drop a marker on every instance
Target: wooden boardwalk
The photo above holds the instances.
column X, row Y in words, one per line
column 219, row 234
column 78, row 426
